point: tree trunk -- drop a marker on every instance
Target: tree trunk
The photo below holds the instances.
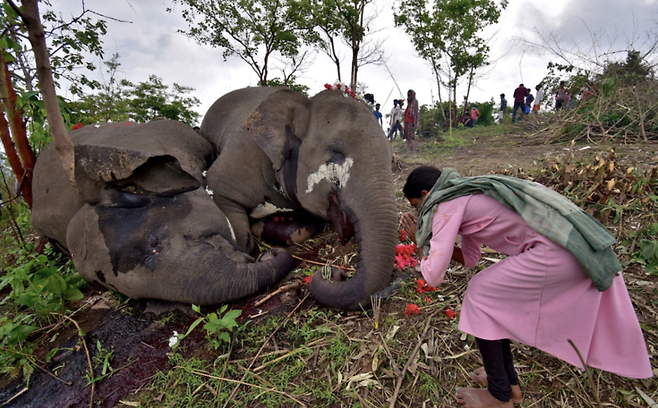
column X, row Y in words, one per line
column 14, row 161
column 63, row 144
column 18, row 131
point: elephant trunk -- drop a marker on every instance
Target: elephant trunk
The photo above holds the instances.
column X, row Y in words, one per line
column 374, row 215
column 226, row 280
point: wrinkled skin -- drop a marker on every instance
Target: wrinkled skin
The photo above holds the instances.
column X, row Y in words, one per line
column 325, row 157
column 142, row 224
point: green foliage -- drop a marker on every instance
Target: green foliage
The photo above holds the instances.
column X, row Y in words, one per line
column 217, row 325
column 253, row 30
column 123, row 100
column 152, row 99
column 449, row 29
column 647, row 256
column 102, row 358
column 38, row 282
column 41, row 286
column 329, row 23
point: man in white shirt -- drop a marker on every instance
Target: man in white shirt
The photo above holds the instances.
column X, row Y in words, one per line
column 396, row 117
column 538, row 98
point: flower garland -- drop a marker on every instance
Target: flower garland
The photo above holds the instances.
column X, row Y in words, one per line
column 339, row 86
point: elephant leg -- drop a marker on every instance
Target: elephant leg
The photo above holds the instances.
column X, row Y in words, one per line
column 287, row 228
column 239, row 223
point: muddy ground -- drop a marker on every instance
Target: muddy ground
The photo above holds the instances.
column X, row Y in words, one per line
column 137, row 331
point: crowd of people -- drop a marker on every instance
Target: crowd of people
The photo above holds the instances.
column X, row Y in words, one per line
column 401, row 120
column 525, row 102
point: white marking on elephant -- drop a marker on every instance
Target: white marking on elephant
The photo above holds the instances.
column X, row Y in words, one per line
column 230, row 227
column 209, row 191
column 332, row 172
column 265, row 209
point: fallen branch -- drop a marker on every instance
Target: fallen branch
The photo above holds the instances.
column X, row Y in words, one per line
column 282, row 289
column 411, row 359
column 589, row 376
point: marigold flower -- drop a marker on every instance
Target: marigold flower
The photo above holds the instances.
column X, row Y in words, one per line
column 412, row 309
column 424, row 287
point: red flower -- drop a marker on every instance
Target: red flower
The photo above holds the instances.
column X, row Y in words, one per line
column 427, row 299
column 307, row 280
column 128, row 123
column 450, row 313
column 403, row 235
column 412, row 309
column 404, row 256
column 338, row 85
column 77, row 126
column 328, row 86
column 424, row 287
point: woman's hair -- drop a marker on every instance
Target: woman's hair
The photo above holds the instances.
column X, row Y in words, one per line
column 421, row 178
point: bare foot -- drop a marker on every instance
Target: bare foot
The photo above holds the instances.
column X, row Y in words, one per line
column 480, row 377
column 480, row 398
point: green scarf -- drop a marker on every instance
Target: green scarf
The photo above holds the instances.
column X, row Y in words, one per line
column 546, row 211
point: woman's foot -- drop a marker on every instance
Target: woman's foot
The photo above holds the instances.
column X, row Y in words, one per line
column 480, row 377
column 480, row 398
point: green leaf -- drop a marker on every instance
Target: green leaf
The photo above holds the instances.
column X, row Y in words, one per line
column 233, row 314
column 649, row 249
column 56, row 285
column 196, row 308
column 224, row 336
column 73, row 294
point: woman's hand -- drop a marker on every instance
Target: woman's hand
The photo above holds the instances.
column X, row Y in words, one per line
column 409, row 223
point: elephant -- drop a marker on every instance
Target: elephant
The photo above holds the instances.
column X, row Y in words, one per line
column 141, row 222
column 164, row 212
column 324, row 156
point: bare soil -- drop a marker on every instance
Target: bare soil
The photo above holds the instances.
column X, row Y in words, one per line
column 137, row 331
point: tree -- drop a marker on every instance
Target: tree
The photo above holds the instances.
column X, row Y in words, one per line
column 72, row 39
column 152, row 99
column 255, row 31
column 341, row 21
column 449, row 30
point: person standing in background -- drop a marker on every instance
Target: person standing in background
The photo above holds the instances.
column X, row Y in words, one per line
column 396, row 117
column 561, row 97
column 519, row 101
column 539, row 96
column 411, row 122
column 378, row 114
column 503, row 108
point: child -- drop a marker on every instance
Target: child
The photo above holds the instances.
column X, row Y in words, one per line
column 540, row 294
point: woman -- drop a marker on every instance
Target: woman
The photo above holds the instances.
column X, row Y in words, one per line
column 539, row 295
column 411, row 122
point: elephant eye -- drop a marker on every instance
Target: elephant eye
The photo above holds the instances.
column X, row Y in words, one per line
column 336, row 156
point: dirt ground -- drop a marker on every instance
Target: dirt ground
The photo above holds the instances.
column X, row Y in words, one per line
column 137, row 333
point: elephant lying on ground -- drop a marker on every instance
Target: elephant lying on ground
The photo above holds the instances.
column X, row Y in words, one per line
column 142, row 222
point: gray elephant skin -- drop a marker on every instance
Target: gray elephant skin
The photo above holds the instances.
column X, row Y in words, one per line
column 142, row 221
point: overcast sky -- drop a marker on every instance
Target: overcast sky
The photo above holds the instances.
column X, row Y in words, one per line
column 150, row 44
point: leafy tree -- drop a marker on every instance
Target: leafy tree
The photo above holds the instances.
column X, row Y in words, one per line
column 19, row 71
column 152, row 99
column 449, row 30
column 341, row 21
column 256, row 31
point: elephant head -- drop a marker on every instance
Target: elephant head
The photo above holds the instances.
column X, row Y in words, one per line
column 141, row 222
column 326, row 156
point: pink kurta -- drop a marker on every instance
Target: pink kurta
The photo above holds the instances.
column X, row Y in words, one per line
column 538, row 295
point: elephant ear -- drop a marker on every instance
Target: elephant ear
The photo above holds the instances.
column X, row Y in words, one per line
column 278, row 122
column 99, row 167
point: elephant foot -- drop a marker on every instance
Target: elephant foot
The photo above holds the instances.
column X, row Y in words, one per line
column 286, row 229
